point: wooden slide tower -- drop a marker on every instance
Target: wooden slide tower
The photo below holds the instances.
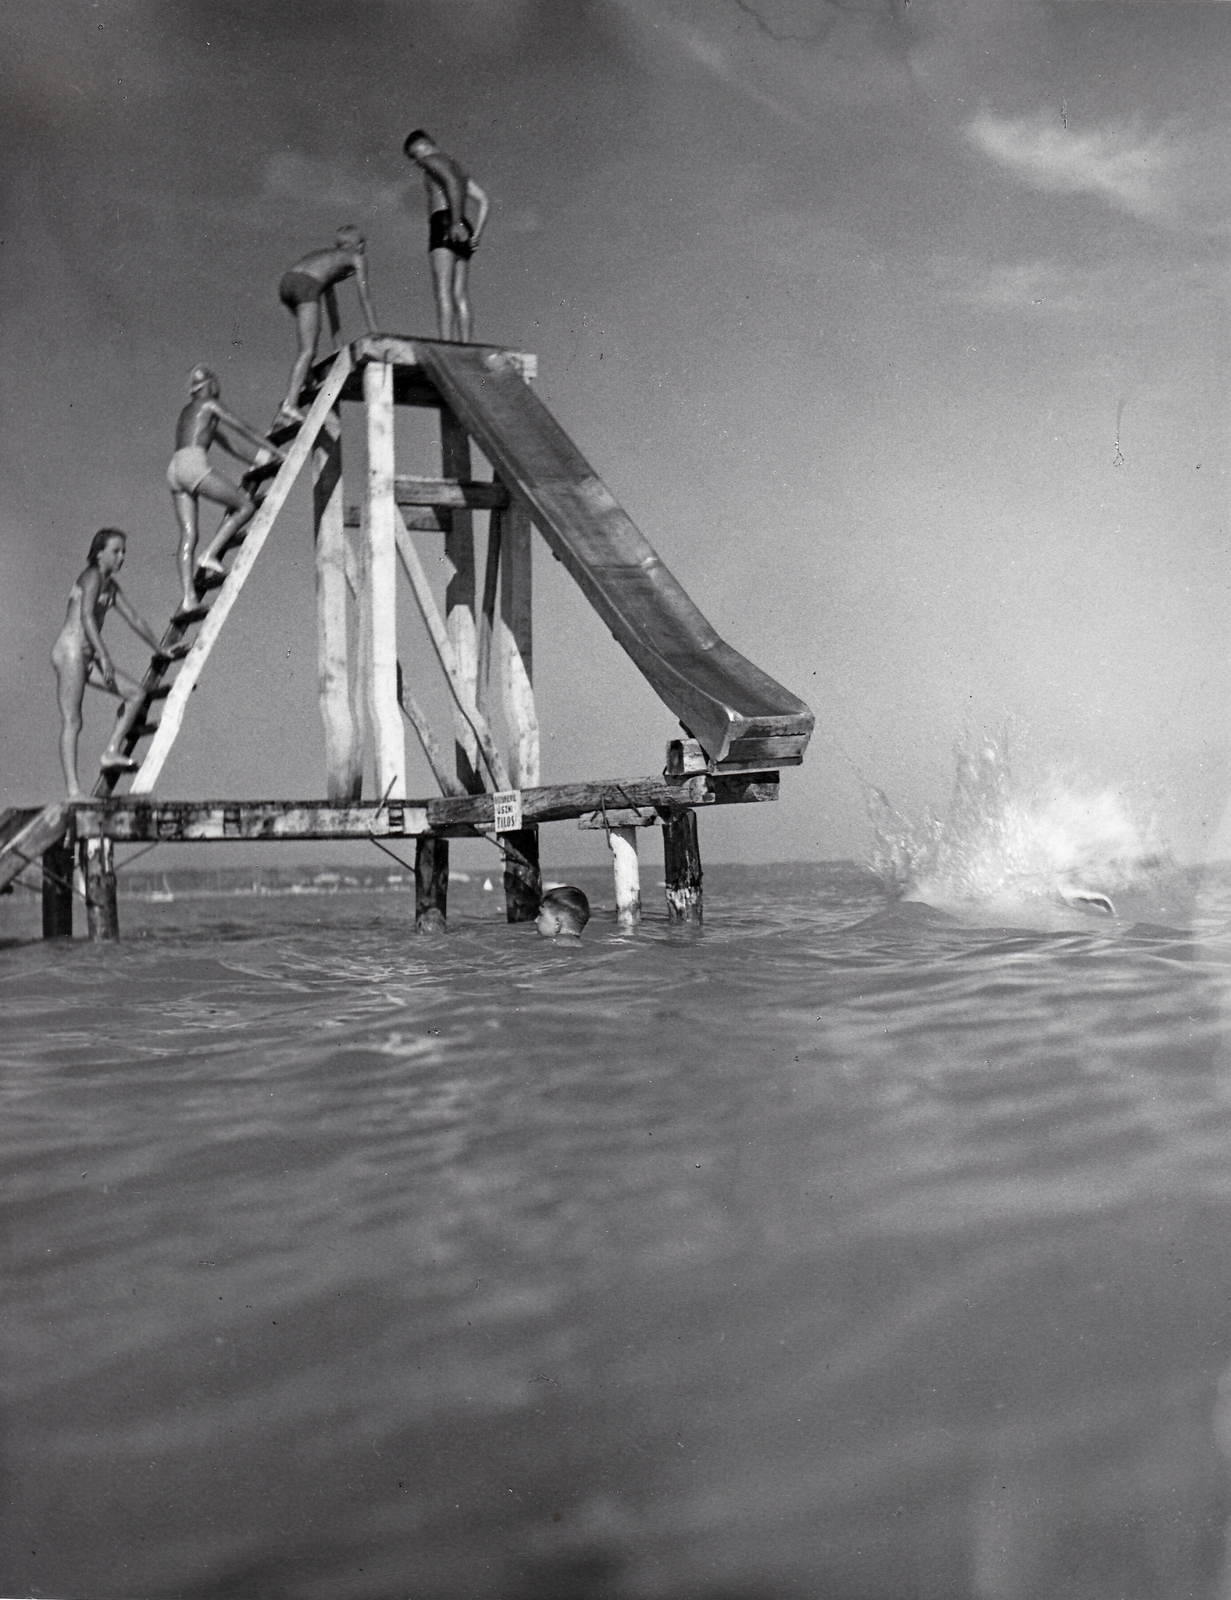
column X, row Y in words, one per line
column 740, row 726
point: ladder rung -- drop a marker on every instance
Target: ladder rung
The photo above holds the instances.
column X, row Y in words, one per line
column 185, row 619
column 160, row 691
column 142, row 730
column 258, row 475
column 210, row 580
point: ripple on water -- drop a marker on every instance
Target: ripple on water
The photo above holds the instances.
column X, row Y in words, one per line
column 827, row 1246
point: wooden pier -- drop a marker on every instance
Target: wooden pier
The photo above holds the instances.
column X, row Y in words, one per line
column 740, row 726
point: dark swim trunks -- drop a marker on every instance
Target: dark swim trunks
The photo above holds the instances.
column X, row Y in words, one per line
column 297, row 288
column 438, row 225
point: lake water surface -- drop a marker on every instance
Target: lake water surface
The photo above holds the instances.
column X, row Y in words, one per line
column 800, row 1255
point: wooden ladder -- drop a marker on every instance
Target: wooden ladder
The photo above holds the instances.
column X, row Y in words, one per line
column 210, row 617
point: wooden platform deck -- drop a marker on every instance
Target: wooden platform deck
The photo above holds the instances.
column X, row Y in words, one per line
column 27, row 831
column 137, row 819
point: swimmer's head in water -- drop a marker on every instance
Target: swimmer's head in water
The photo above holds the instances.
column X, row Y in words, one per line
column 102, row 539
column 201, row 378
column 563, row 912
column 418, row 136
column 348, row 237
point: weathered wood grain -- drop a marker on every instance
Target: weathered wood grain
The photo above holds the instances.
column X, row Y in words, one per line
column 517, row 644
column 343, row 751
column 460, row 619
column 682, row 864
column 383, row 523
column 139, row 818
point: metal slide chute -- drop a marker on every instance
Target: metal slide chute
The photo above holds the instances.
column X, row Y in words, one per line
column 732, row 707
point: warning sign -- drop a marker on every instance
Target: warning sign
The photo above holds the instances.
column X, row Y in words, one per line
column 507, row 808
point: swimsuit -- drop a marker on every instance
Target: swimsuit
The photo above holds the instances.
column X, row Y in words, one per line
column 188, row 469
column 72, row 639
column 298, row 288
column 438, row 226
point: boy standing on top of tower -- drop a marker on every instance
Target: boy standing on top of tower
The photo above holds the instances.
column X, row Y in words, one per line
column 452, row 240
column 311, row 279
column 190, row 476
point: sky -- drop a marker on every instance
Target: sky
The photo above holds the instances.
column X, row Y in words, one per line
column 900, row 329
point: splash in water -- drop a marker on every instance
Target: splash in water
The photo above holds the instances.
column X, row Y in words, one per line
column 1024, row 853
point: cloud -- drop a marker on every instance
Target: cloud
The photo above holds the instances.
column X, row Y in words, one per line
column 1120, row 165
column 714, row 59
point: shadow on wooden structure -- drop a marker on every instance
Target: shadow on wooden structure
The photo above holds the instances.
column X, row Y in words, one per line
column 740, row 725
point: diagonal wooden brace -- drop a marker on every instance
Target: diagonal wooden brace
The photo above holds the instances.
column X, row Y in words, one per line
column 443, row 646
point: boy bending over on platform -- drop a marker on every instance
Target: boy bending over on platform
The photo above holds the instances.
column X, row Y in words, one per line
column 451, row 239
column 190, row 476
column 563, row 913
column 313, row 278
column 80, row 651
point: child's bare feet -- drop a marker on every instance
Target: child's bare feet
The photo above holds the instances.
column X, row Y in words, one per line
column 211, row 564
column 113, row 761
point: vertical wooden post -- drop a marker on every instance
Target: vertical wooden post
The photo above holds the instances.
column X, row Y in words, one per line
column 623, row 846
column 358, row 577
column 58, row 890
column 517, row 646
column 98, row 868
column 682, row 860
column 459, row 595
column 343, row 748
column 385, row 716
column 431, row 883
column 523, row 883
column 487, row 616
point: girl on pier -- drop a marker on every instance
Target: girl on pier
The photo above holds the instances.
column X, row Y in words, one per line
column 80, row 651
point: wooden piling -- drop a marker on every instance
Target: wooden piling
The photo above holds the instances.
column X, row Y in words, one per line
column 623, row 845
column 523, row 883
column 517, row 646
column 682, row 860
column 385, row 715
column 98, row 869
column 343, row 747
column 431, row 883
column 58, row 890
column 460, row 595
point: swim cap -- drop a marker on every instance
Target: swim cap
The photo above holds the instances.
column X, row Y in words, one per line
column 199, row 377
